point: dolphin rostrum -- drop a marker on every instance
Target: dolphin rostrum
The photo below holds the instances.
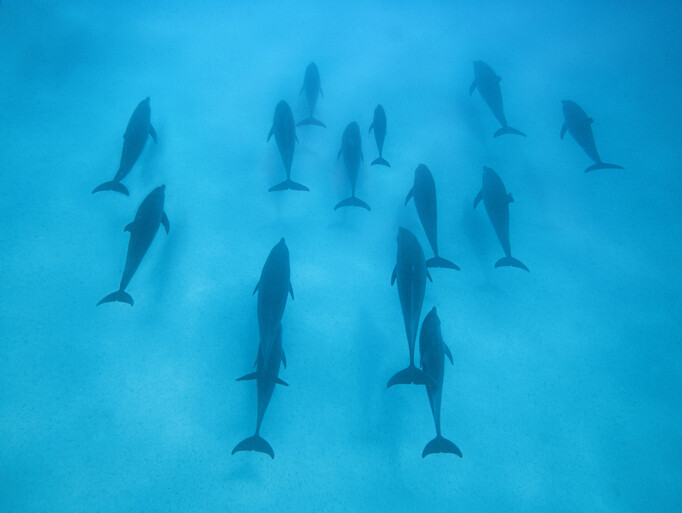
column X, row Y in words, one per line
column 580, row 127
column 496, row 201
column 488, row 84
column 142, row 231
column 134, row 139
column 379, row 127
column 424, row 194
column 411, row 273
column 312, row 88
column 351, row 148
column 284, row 131
column 432, row 351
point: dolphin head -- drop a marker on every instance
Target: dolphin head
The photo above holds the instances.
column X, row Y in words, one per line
column 421, row 172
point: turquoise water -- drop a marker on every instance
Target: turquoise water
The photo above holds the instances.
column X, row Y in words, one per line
column 565, row 390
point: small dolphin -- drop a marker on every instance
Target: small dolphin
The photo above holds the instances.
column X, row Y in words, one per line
column 580, row 127
column 312, row 88
column 142, row 231
column 351, row 148
column 379, row 126
column 139, row 128
column 411, row 273
column 488, row 84
column 432, row 351
column 285, row 136
column 424, row 193
column 496, row 201
column 266, row 378
column 273, row 287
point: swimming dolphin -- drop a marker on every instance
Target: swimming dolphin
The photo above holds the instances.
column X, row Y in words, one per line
column 312, row 88
column 285, row 136
column 411, row 273
column 379, row 126
column 273, row 287
column 351, row 147
column 139, row 128
column 488, row 84
column 496, row 201
column 424, row 193
column 580, row 127
column 432, row 351
column 142, row 231
column 266, row 378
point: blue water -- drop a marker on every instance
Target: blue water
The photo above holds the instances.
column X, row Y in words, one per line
column 564, row 395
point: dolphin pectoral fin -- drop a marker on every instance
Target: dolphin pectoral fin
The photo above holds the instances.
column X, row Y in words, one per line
column 120, row 296
column 510, row 198
column 281, row 382
column 254, row 443
column 113, row 185
column 302, row 88
column 371, row 127
column 590, row 120
column 509, row 130
column 511, row 262
column 362, row 157
column 152, row 132
column 284, row 360
column 602, row 165
column 409, row 195
column 563, row 130
column 447, row 352
column 394, row 275
column 165, row 222
column 129, row 227
column 499, row 79
column 247, row 377
column 321, row 93
column 296, row 137
column 291, row 291
column 428, row 275
column 256, row 288
column 440, row 445
column 478, row 198
column 472, row 87
column 339, row 154
column 272, row 131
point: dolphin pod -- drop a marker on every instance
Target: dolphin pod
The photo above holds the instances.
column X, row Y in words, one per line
column 379, row 127
column 579, row 126
column 488, row 84
column 351, row 149
column 312, row 88
column 142, row 232
column 284, row 130
column 135, row 137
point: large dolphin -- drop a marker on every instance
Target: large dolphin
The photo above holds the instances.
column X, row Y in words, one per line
column 488, row 84
column 496, row 201
column 142, row 232
column 139, row 129
column 312, row 88
column 284, row 130
column 379, row 127
column 351, row 148
column 273, row 287
column 432, row 351
column 580, row 127
column 266, row 378
column 411, row 273
column 424, row 193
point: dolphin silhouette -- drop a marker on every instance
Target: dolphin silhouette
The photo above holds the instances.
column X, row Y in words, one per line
column 312, row 88
column 284, row 131
column 351, row 148
column 488, row 84
column 379, row 127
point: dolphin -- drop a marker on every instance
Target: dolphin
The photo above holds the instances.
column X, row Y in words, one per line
column 266, row 378
column 139, row 128
column 432, row 351
column 379, row 126
column 488, row 84
column 284, row 131
column 580, row 127
column 351, row 148
column 273, row 287
column 142, row 232
column 496, row 201
column 424, row 193
column 411, row 273
column 312, row 88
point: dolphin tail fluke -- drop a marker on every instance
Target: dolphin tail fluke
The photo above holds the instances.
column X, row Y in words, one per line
column 352, row 202
column 288, row 184
column 408, row 376
column 380, row 161
column 509, row 130
column 254, row 443
column 441, row 262
column 120, row 296
column 441, row 445
column 311, row 121
column 602, row 165
column 510, row 262
column 112, row 186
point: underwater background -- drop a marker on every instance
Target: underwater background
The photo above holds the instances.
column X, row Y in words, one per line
column 564, row 395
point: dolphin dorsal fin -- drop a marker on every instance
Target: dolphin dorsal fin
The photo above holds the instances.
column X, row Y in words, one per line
column 409, row 195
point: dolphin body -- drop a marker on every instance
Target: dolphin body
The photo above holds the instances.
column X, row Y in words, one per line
column 139, row 128
column 424, row 193
column 411, row 273
column 284, row 130
column 580, row 127
column 273, row 287
column 351, row 148
column 266, row 378
column 312, row 88
column 496, row 201
column 142, row 232
column 488, row 84
column 432, row 351
column 379, row 127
